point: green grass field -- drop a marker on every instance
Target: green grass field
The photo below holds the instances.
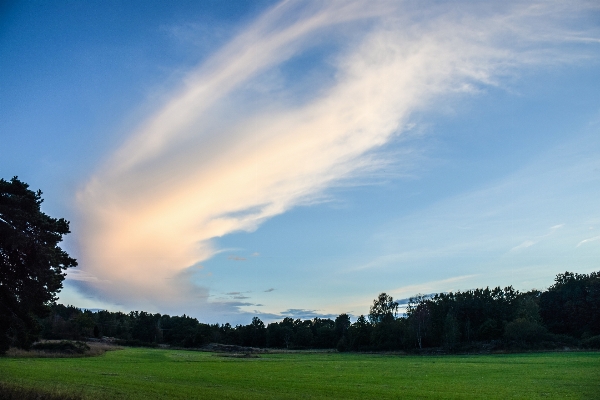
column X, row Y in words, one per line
column 177, row 374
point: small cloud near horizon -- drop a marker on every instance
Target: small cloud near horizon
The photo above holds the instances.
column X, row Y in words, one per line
column 298, row 313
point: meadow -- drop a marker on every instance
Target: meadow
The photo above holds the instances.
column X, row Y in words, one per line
column 139, row 373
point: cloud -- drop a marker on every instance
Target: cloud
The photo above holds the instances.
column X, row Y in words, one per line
column 297, row 313
column 406, row 300
column 595, row 238
column 524, row 245
column 232, row 147
column 82, row 276
column 269, row 290
column 237, row 295
column 439, row 286
column 529, row 243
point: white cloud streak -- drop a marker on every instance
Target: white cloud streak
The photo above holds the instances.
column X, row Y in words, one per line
column 594, row 239
column 442, row 285
column 211, row 162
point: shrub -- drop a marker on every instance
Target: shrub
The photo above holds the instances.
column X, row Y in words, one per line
column 591, row 342
column 342, row 346
column 522, row 330
column 64, row 346
column 135, row 343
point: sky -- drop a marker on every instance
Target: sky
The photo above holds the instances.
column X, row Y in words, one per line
column 295, row 159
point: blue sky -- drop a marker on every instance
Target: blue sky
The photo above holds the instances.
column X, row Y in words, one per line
column 231, row 159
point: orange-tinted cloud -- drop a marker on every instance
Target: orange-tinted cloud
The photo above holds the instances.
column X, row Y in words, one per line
column 209, row 162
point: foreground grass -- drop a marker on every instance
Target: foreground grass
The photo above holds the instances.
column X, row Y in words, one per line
column 177, row 374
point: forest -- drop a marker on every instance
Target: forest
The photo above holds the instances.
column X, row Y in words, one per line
column 567, row 314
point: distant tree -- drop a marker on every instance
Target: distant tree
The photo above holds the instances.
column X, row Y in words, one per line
column 145, row 326
column 360, row 334
column 254, row 334
column 419, row 317
column 451, row 331
column 303, row 335
column 259, row 333
column 178, row 331
column 227, row 334
column 384, row 309
column 84, row 323
column 382, row 316
column 32, row 264
column 524, row 332
column 324, row 336
column 342, row 323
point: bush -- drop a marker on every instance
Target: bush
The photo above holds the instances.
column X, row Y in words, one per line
column 64, row 346
column 134, row 343
column 522, row 330
column 342, row 346
column 591, row 342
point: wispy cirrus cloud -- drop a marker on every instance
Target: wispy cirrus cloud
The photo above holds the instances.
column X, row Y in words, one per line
column 592, row 239
column 442, row 285
column 529, row 243
column 229, row 149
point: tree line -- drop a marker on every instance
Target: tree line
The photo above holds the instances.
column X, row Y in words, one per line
column 567, row 314
column 32, row 269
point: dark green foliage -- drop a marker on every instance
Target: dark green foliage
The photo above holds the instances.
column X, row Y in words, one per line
column 252, row 335
column 181, row 331
column 384, row 309
column 591, row 342
column 471, row 321
column 572, row 305
column 359, row 334
column 145, row 326
column 419, row 315
column 324, row 334
column 32, row 264
column 451, row 331
column 134, row 343
column 342, row 324
column 524, row 332
column 297, row 334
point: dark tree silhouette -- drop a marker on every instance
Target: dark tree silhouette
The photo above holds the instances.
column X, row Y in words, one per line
column 342, row 323
column 384, row 309
column 31, row 262
column 572, row 305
